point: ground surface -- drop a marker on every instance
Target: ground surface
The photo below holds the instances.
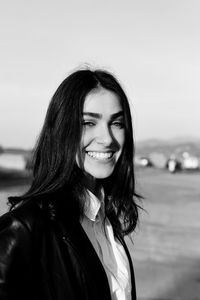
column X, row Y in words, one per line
column 166, row 250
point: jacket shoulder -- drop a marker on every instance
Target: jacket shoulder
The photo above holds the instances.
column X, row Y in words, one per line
column 23, row 218
column 17, row 250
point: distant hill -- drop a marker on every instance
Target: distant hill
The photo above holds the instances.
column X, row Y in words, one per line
column 173, row 146
column 167, row 147
column 16, row 150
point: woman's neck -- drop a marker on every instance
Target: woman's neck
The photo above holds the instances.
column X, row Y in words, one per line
column 94, row 185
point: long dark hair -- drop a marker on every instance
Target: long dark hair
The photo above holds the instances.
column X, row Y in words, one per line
column 55, row 165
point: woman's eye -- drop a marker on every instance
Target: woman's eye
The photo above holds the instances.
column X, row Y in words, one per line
column 88, row 123
column 118, row 124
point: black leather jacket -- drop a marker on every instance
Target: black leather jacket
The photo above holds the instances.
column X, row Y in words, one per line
column 48, row 259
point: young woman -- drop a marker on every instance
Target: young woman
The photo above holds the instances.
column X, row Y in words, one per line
column 64, row 239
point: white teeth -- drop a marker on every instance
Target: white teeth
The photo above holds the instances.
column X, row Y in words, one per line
column 100, row 155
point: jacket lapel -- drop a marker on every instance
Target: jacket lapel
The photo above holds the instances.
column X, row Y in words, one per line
column 75, row 236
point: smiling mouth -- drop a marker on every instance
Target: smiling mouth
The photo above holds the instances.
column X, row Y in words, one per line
column 100, row 155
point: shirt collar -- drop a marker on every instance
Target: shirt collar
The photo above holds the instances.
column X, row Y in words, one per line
column 92, row 206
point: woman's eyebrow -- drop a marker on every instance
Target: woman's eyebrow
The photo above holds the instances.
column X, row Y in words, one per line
column 117, row 115
column 99, row 116
column 91, row 114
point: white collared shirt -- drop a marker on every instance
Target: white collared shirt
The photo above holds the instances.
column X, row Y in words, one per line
column 109, row 250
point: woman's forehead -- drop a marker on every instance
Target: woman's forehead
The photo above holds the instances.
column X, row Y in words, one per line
column 102, row 101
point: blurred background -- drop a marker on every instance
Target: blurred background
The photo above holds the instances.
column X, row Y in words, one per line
column 152, row 47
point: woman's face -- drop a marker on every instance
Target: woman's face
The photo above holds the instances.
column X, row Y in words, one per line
column 103, row 133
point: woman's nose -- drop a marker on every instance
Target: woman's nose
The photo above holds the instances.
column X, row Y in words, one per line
column 104, row 136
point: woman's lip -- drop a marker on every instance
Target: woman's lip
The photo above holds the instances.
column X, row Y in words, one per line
column 100, row 155
column 101, row 151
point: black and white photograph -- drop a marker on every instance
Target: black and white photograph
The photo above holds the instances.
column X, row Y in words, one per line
column 100, row 150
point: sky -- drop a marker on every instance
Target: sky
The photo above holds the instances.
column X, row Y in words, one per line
column 152, row 47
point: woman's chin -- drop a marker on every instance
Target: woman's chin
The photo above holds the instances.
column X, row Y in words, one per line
column 100, row 175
